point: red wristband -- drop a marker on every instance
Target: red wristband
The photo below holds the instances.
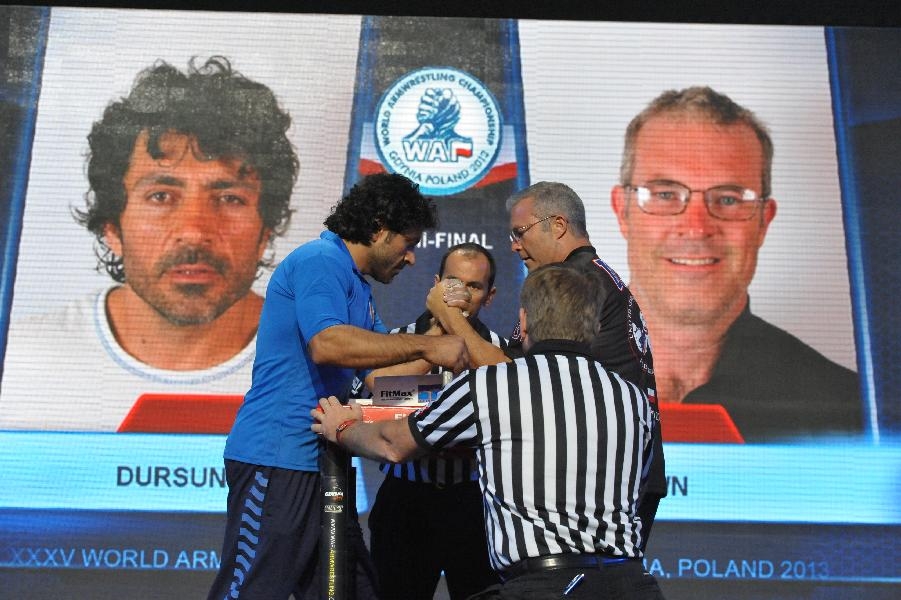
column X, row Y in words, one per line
column 343, row 426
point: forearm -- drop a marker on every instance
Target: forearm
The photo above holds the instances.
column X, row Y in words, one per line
column 481, row 351
column 415, row 367
column 385, row 441
column 353, row 347
column 390, row 441
column 455, row 322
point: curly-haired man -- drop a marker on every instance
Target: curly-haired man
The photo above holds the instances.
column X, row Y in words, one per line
column 318, row 329
column 190, row 178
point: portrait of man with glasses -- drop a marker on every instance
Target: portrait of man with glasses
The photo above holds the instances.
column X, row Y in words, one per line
column 694, row 204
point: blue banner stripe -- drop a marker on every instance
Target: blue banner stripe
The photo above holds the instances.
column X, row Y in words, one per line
column 836, row 481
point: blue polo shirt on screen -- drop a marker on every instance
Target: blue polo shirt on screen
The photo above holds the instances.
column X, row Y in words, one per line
column 315, row 287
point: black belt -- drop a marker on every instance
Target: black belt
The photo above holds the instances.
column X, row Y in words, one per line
column 561, row 561
column 429, row 484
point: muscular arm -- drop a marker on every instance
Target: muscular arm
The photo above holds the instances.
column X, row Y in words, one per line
column 389, row 441
column 415, row 367
column 356, row 348
column 481, row 352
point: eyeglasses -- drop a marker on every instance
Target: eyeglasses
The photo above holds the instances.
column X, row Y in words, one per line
column 517, row 232
column 668, row 198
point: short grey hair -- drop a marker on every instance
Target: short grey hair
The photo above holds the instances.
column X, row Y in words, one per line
column 552, row 198
column 704, row 103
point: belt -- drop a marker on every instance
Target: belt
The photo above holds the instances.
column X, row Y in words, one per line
column 561, row 561
column 429, row 484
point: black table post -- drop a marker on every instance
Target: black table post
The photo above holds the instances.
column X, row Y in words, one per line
column 337, row 494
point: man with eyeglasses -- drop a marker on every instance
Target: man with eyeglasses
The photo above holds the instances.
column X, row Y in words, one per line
column 694, row 206
column 547, row 225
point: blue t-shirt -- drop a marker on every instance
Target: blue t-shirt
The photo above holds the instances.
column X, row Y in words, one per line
column 315, row 287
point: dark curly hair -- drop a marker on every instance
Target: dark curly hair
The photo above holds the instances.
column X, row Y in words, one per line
column 382, row 200
column 230, row 116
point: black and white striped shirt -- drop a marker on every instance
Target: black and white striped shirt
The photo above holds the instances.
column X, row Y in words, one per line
column 560, row 445
column 441, row 469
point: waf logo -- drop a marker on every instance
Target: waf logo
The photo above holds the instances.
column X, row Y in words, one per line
column 436, row 138
column 440, row 127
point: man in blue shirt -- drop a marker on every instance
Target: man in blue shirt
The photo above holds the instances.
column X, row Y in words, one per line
column 318, row 328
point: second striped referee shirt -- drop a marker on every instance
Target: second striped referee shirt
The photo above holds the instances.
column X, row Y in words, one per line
column 439, row 469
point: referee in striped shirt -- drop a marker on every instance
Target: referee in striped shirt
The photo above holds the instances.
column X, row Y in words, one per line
column 427, row 516
column 561, row 445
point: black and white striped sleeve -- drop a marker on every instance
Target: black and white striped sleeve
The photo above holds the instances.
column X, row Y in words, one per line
column 450, row 420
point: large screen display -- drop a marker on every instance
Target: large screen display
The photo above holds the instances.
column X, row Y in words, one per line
column 782, row 455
